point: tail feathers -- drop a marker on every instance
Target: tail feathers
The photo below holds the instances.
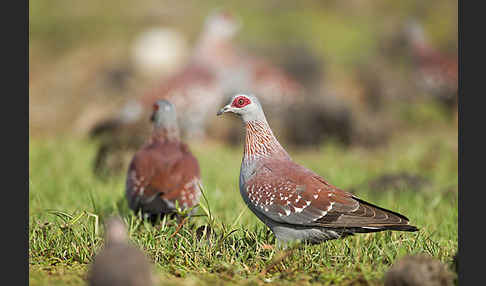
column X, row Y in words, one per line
column 367, row 229
column 401, row 228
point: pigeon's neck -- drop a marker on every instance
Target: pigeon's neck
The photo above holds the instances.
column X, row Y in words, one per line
column 163, row 134
column 260, row 143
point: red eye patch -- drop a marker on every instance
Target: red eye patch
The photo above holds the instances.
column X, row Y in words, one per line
column 156, row 107
column 240, row 102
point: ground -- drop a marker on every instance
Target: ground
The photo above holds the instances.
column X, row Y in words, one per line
column 67, row 206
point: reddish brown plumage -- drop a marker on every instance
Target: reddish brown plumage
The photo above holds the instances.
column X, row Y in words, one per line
column 439, row 70
column 162, row 172
column 260, row 142
column 290, row 193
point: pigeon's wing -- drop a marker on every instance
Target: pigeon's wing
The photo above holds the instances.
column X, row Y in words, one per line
column 291, row 194
column 181, row 178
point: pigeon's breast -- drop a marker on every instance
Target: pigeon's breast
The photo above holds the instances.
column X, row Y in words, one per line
column 248, row 169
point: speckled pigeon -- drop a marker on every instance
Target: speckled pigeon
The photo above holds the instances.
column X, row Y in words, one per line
column 120, row 263
column 163, row 171
column 293, row 201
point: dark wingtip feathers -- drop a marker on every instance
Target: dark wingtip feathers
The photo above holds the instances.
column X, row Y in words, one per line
column 402, row 226
column 410, row 228
column 381, row 209
column 405, row 227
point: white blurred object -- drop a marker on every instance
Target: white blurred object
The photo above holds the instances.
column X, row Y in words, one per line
column 159, row 51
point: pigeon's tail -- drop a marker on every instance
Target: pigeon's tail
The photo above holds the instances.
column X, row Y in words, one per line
column 409, row 228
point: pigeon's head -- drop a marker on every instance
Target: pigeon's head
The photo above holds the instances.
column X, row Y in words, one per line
column 245, row 105
column 115, row 231
column 413, row 31
column 163, row 114
column 222, row 24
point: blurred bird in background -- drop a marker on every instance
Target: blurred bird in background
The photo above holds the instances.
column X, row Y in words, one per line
column 190, row 89
column 436, row 72
column 293, row 97
column 163, row 173
column 119, row 262
column 419, row 270
column 215, row 69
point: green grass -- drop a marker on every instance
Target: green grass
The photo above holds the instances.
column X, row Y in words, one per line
column 68, row 204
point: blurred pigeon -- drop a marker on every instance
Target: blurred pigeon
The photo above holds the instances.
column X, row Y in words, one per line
column 436, row 72
column 164, row 171
column 419, row 270
column 119, row 262
column 215, row 70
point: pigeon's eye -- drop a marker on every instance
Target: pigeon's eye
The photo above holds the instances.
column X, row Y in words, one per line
column 156, row 107
column 241, row 102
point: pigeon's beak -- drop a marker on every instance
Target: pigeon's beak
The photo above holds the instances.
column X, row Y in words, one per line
column 223, row 110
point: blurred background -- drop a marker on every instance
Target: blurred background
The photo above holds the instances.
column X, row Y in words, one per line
column 354, row 73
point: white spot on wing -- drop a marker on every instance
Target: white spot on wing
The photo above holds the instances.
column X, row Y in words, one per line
column 287, row 212
column 298, row 210
column 330, row 206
